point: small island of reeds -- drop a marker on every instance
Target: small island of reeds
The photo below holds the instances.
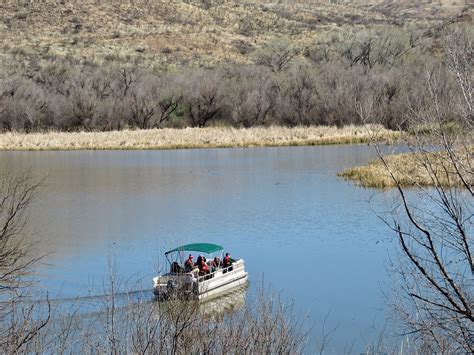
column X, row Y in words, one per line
column 411, row 169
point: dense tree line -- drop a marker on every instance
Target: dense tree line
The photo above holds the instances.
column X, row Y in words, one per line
column 285, row 85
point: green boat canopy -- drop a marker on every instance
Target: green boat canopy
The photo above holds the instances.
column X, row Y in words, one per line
column 200, row 247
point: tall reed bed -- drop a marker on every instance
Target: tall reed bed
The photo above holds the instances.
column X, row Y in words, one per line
column 209, row 137
column 412, row 169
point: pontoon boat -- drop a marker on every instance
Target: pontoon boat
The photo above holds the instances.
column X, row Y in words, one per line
column 198, row 283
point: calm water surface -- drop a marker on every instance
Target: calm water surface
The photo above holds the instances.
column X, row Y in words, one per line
column 310, row 235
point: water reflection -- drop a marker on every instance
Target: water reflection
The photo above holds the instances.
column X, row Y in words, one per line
column 311, row 236
column 225, row 304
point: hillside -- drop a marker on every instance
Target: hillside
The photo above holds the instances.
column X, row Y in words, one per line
column 142, row 64
column 163, row 34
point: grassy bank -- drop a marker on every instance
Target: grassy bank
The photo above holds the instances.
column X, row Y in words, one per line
column 410, row 169
column 211, row 137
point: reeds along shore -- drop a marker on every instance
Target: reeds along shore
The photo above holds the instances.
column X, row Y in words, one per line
column 411, row 169
column 210, row 137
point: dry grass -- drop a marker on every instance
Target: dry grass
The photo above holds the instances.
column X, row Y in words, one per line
column 409, row 169
column 167, row 33
column 211, row 137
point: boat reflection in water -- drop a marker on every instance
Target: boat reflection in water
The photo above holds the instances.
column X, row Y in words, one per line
column 212, row 308
column 224, row 304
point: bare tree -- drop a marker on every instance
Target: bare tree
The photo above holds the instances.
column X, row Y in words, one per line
column 298, row 97
column 83, row 108
column 203, row 98
column 127, row 322
column 246, row 97
column 18, row 325
column 142, row 108
column 388, row 47
column 15, row 259
column 434, row 225
column 54, row 78
column 125, row 79
column 276, row 54
column 168, row 99
column 458, row 45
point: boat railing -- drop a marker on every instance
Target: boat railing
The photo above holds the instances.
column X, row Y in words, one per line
column 212, row 274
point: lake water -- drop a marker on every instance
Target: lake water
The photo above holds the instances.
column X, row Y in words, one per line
column 305, row 233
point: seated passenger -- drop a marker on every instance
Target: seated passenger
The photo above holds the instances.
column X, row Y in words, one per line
column 227, row 263
column 216, row 263
column 227, row 260
column 199, row 260
column 203, row 268
column 188, row 264
column 176, row 268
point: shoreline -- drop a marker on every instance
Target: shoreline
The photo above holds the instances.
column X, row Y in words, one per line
column 194, row 138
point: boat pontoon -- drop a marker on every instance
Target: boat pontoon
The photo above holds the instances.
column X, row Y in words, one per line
column 195, row 283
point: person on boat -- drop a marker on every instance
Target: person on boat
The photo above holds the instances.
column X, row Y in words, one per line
column 189, row 264
column 203, row 269
column 176, row 268
column 227, row 262
column 216, row 263
column 199, row 261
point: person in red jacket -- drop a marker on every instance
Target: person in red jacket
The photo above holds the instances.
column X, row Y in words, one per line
column 227, row 261
column 203, row 268
column 188, row 264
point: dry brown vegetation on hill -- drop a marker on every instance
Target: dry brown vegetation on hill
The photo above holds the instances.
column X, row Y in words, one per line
column 165, row 34
column 101, row 66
